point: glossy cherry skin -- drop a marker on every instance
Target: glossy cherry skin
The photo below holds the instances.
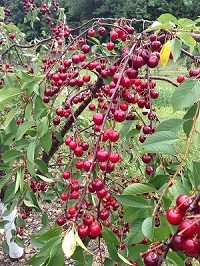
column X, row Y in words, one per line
column 174, row 216
column 183, row 202
column 151, row 259
column 191, row 247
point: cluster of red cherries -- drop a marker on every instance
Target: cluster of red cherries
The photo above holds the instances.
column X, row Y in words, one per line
column 187, row 237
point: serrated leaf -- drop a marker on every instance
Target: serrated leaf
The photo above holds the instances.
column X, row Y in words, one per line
column 175, row 258
column 43, row 126
column 164, row 54
column 57, row 231
column 159, row 180
column 196, row 173
column 166, row 17
column 42, row 166
column 31, row 152
column 109, row 236
column 4, row 180
column 125, row 128
column 175, row 45
column 132, row 201
column 124, row 259
column 9, row 117
column 46, row 179
column 45, row 219
column 138, row 188
column 186, row 38
column 160, row 142
column 187, row 93
column 48, row 246
column 8, row 94
column 11, row 155
column 22, row 129
column 56, row 256
column 148, row 226
column 173, row 124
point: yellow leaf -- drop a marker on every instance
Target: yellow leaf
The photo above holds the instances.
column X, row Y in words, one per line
column 164, row 54
column 69, row 243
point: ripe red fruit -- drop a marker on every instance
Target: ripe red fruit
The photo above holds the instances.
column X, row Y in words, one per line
column 131, row 73
column 78, row 151
column 123, row 106
column 149, row 170
column 114, row 35
column 110, row 46
column 64, row 196
column 61, row 220
column 72, row 210
column 86, row 48
column 174, row 216
column 98, row 118
column 188, row 228
column 114, row 157
column 95, row 228
column 152, row 61
column 119, row 115
column 156, row 45
column 66, row 174
column 177, row 242
column 194, row 72
column 147, row 129
column 75, row 59
column 138, row 62
column 191, row 247
column 113, row 135
column 103, row 214
column 83, row 230
column 102, row 155
column 74, row 195
column 146, row 158
column 73, row 145
column 180, row 78
column 56, row 121
column 101, row 193
column 12, row 35
column 151, row 259
column 183, row 202
column 101, row 31
column 97, row 184
column 88, row 219
column 91, row 33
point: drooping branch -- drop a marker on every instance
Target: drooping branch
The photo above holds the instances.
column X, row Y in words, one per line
column 160, row 78
column 55, row 145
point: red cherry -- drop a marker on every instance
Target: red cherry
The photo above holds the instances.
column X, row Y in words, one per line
column 183, row 202
column 156, row 45
column 86, row 48
column 56, row 121
column 72, row 210
column 74, row 195
column 180, row 78
column 95, row 228
column 191, row 247
column 101, row 31
column 61, row 220
column 102, row 155
column 177, row 242
column 101, row 193
column 79, row 164
column 114, row 35
column 174, row 216
column 91, row 33
column 114, row 157
column 138, row 62
column 104, row 214
column 64, row 196
column 66, row 174
column 149, row 170
column 73, row 145
column 110, row 46
column 97, row 184
column 153, row 61
column 83, row 230
column 88, row 219
column 98, row 118
column 119, row 115
column 75, row 59
column 78, row 151
column 113, row 136
column 131, row 73
column 188, row 228
column 151, row 259
column 146, row 158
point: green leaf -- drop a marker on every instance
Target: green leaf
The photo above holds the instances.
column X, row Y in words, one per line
column 172, row 124
column 174, row 258
column 125, row 128
column 138, row 188
column 134, row 251
column 9, row 117
column 133, row 132
column 32, row 198
column 42, row 166
column 9, row 193
column 132, row 201
column 167, row 17
column 43, row 126
column 2, row 14
column 19, row 242
column 79, row 255
column 46, row 141
column 31, row 152
column 159, row 180
column 161, row 232
column 45, row 219
column 19, row 180
column 11, row 27
column 123, row 259
column 11, row 155
column 48, row 246
column 196, row 173
column 56, row 256
column 148, row 227
column 160, row 142
column 175, row 45
column 187, row 126
column 29, row 203
column 5, row 247
column 46, row 179
column 22, row 129
column 187, row 93
column 4, row 180
column 3, row 223
column 186, row 38
column 109, row 236
column 135, row 234
column 57, row 231
column 7, row 94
